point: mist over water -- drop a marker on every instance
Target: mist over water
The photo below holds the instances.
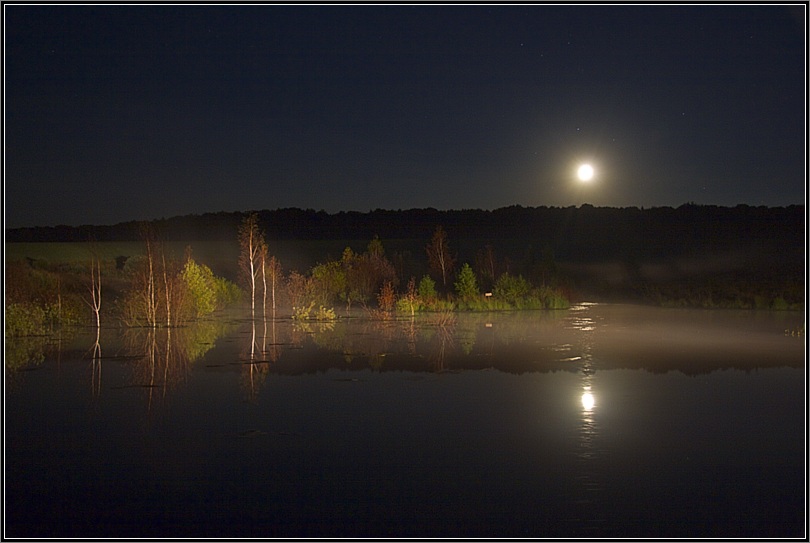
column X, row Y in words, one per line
column 602, row 420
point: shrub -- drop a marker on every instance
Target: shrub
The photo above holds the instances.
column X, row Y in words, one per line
column 228, row 292
column 386, row 298
column 328, row 282
column 427, row 289
column 24, row 320
column 466, row 285
column 511, row 289
column 409, row 302
column 303, row 313
column 199, row 280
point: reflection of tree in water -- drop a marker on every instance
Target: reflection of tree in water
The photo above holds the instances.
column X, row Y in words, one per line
column 302, row 329
column 444, row 331
column 169, row 353
column 251, row 379
column 265, row 348
column 21, row 354
column 163, row 364
column 96, row 364
column 254, row 367
column 372, row 341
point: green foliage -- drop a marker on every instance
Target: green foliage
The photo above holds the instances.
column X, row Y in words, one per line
column 227, row 292
column 200, row 337
column 466, row 285
column 726, row 292
column 427, row 289
column 131, row 308
column 24, row 320
column 366, row 273
column 308, row 312
column 328, row 282
column 551, row 298
column 440, row 306
column 410, row 301
column 375, row 248
column 511, row 289
column 199, row 280
column 22, row 352
column 55, row 292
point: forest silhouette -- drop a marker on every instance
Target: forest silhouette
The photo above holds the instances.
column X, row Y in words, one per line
column 606, row 248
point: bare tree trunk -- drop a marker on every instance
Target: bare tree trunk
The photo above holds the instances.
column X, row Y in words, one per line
column 96, row 377
column 167, row 289
column 151, row 302
column 264, row 285
column 97, row 297
column 252, row 281
column 95, row 288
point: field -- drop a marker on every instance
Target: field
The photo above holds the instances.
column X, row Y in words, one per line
column 221, row 256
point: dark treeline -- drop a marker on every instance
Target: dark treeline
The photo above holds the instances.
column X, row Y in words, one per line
column 573, row 233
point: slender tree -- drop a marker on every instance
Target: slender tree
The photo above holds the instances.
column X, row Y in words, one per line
column 250, row 242
column 411, row 296
column 263, row 267
column 149, row 293
column 167, row 287
column 95, row 286
column 439, row 258
column 274, row 271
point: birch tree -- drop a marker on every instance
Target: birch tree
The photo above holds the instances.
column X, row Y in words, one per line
column 439, row 258
column 95, row 287
column 263, row 267
column 274, row 273
column 250, row 242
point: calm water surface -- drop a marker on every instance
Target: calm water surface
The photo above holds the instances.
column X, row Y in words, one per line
column 602, row 420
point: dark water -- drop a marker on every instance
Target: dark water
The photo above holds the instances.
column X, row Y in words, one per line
column 599, row 421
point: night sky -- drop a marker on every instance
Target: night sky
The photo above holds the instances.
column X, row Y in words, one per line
column 138, row 112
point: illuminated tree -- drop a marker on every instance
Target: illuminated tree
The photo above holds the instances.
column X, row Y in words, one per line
column 410, row 299
column 328, row 282
column 251, row 241
column 95, row 286
column 263, row 268
column 199, row 280
column 386, row 298
column 466, row 285
column 148, row 287
column 427, row 289
column 440, row 260
column 367, row 273
column 275, row 274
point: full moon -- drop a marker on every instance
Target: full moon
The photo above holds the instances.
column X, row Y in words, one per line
column 585, row 172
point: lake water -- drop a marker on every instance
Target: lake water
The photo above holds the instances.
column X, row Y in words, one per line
column 598, row 421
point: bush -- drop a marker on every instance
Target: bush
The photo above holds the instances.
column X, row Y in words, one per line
column 199, row 280
column 24, row 320
column 466, row 284
column 228, row 292
column 308, row 312
column 427, row 289
column 511, row 289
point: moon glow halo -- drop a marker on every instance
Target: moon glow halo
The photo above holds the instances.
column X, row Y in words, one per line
column 585, row 172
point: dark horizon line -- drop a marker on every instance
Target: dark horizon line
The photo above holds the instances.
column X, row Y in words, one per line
column 399, row 210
